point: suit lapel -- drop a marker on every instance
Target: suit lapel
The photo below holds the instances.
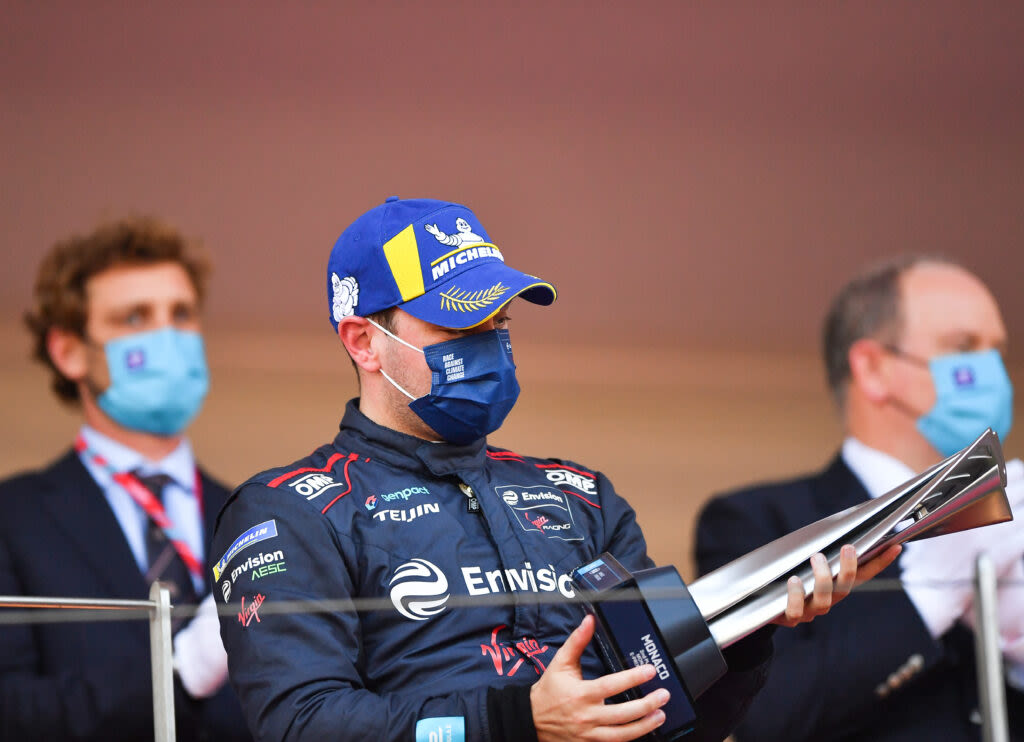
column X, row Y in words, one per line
column 837, row 488
column 214, row 496
column 76, row 506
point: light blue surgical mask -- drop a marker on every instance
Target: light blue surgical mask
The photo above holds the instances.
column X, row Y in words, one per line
column 158, row 380
column 972, row 392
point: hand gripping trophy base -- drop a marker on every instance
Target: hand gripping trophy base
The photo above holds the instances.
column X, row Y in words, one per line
column 651, row 616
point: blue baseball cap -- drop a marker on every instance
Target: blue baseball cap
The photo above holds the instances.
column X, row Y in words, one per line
column 431, row 258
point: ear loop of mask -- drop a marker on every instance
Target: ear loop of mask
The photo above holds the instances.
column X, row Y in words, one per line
column 100, row 348
column 407, row 345
column 901, row 355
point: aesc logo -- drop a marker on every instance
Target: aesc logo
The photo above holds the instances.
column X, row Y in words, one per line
column 419, row 590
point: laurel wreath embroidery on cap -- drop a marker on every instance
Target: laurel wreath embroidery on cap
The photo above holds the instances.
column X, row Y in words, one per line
column 457, row 300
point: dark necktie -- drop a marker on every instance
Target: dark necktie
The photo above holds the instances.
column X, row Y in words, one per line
column 165, row 564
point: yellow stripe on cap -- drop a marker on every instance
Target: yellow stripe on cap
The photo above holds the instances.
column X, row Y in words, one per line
column 403, row 256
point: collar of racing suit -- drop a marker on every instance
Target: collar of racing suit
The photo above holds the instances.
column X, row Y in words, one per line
column 407, row 451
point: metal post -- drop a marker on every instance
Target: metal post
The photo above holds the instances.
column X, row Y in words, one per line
column 991, row 691
column 162, row 651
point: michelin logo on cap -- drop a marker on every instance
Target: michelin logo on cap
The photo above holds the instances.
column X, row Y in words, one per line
column 465, row 235
column 265, row 530
column 346, row 296
column 469, row 246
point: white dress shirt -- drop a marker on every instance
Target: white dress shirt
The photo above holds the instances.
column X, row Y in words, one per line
column 180, row 497
column 953, row 557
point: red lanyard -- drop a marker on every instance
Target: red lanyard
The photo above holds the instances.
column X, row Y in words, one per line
column 150, row 504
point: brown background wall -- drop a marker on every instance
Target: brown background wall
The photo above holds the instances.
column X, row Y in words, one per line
column 696, row 179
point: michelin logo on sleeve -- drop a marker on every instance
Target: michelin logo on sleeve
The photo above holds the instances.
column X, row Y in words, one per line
column 261, row 532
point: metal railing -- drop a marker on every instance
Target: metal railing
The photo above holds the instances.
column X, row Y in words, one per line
column 157, row 610
column 991, row 689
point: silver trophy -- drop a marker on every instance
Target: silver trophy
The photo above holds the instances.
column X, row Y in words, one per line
column 961, row 492
column 691, row 624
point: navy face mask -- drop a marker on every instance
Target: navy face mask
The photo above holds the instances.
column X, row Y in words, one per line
column 473, row 385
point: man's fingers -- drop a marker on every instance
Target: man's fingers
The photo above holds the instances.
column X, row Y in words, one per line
column 826, row 593
column 607, row 686
column 633, row 730
column 821, row 598
column 794, row 602
column 614, row 714
column 568, row 655
column 847, row 573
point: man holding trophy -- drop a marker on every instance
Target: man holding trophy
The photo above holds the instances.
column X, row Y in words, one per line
column 913, row 352
column 409, row 581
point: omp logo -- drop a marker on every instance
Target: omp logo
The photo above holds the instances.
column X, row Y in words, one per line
column 313, row 485
column 419, row 590
column 563, row 476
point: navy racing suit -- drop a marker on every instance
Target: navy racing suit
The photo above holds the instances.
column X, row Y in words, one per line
column 417, row 525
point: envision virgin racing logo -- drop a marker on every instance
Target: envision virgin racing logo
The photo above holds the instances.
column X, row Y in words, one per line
column 419, row 590
column 540, row 509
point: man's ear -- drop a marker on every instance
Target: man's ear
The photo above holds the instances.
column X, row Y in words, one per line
column 68, row 351
column 868, row 374
column 354, row 333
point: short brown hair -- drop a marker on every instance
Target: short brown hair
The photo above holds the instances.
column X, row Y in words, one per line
column 59, row 294
column 869, row 306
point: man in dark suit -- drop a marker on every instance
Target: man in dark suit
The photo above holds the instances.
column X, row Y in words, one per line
column 913, row 355
column 116, row 319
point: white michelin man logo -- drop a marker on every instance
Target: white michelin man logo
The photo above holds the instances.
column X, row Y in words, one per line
column 346, row 296
column 465, row 235
column 419, row 590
